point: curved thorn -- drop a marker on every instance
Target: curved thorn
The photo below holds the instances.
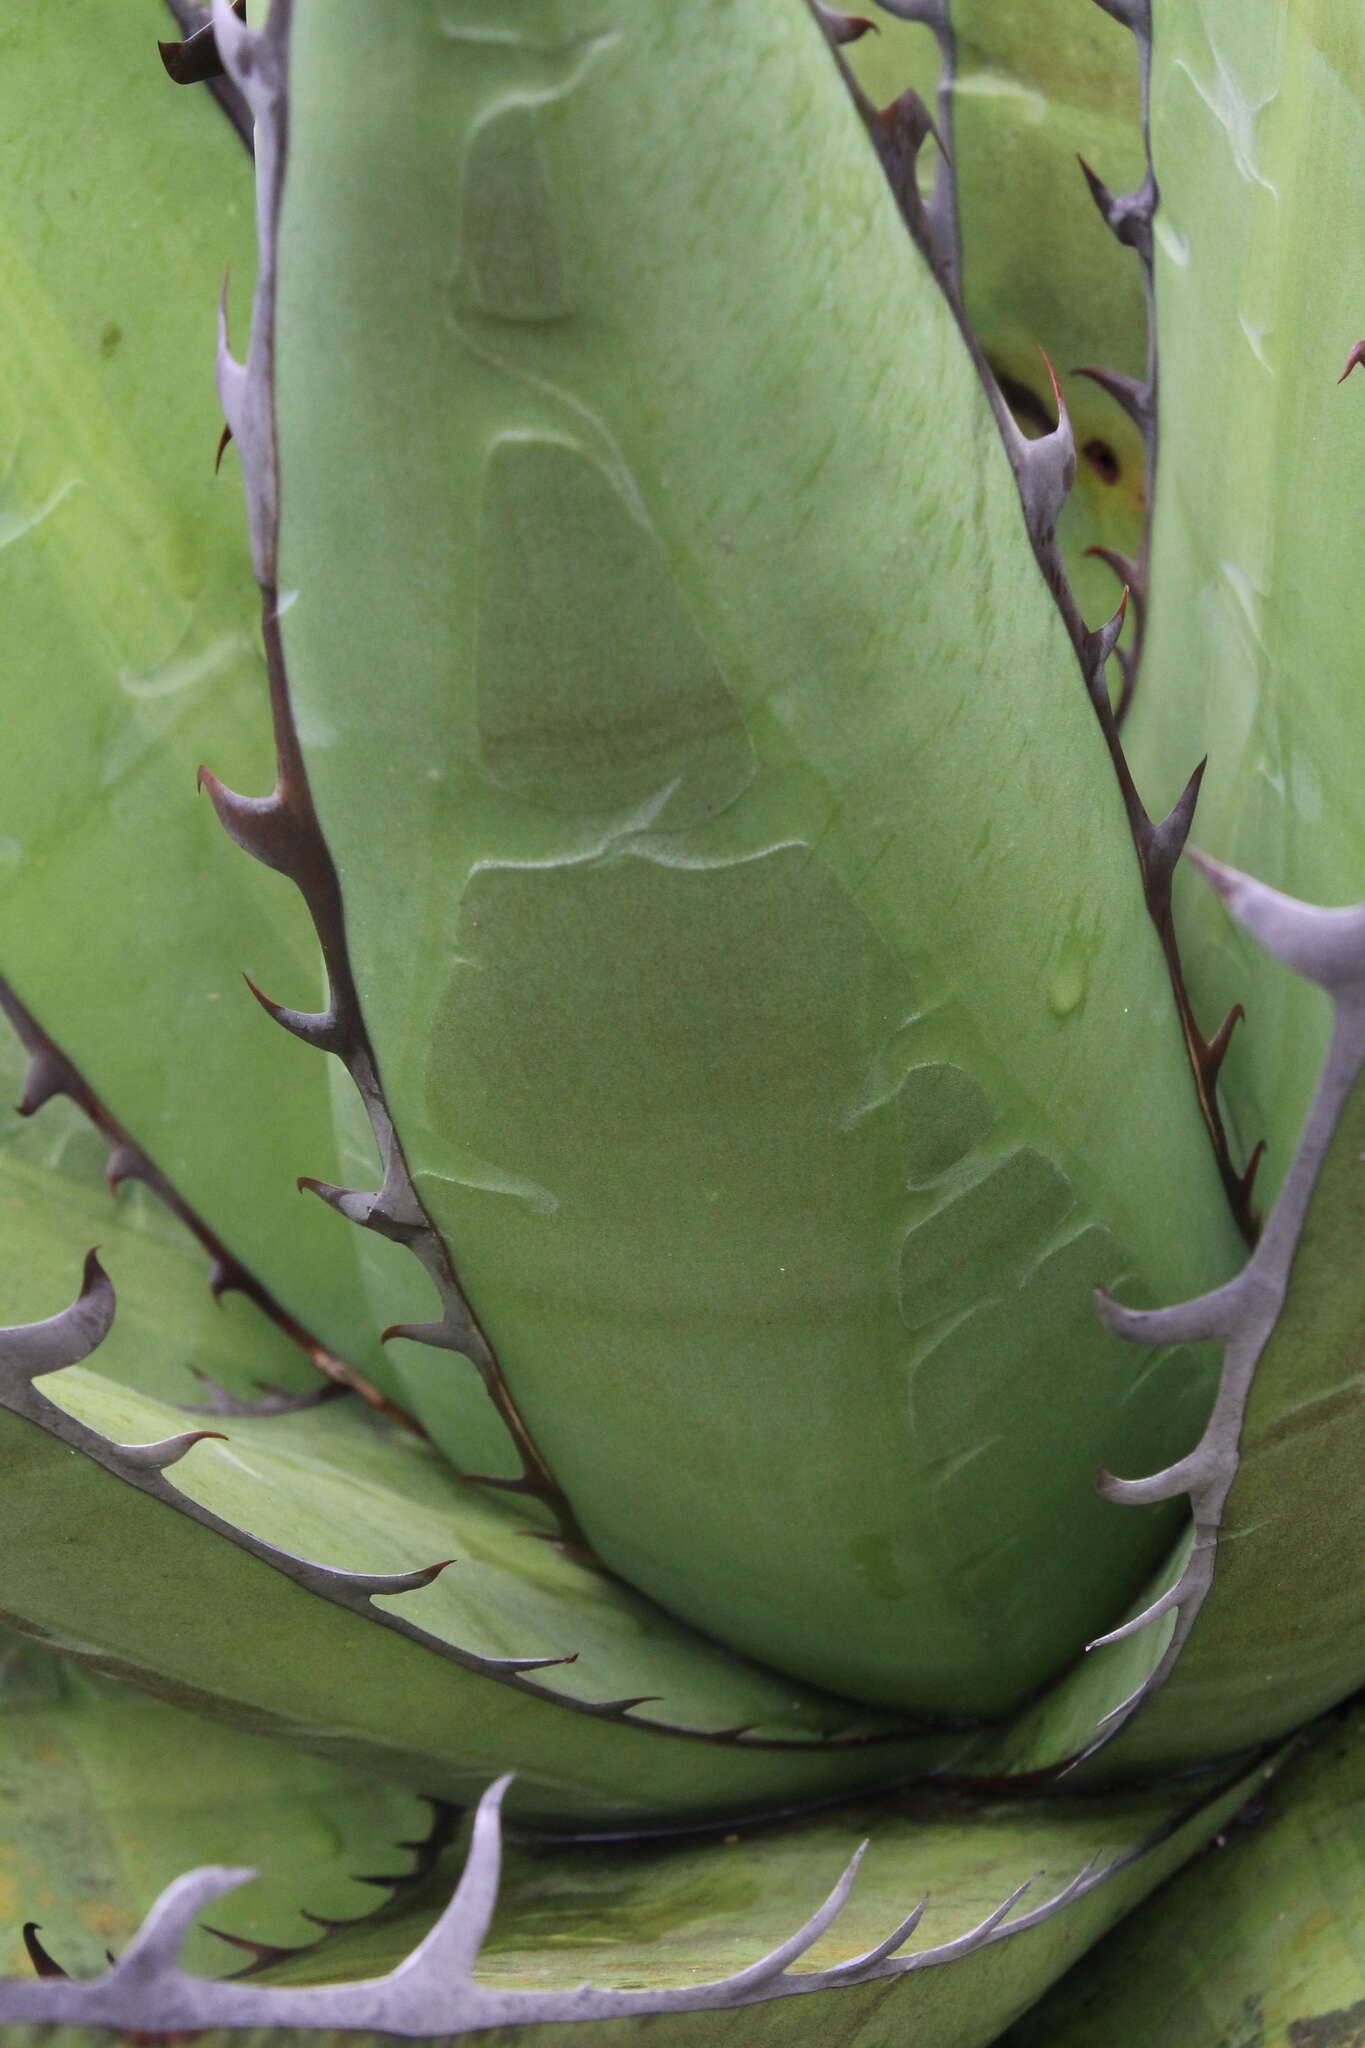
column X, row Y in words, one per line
column 43, row 1964
column 1252, row 1168
column 125, row 1162
column 977, row 1936
column 155, row 1948
column 1099, row 191
column 1357, row 355
column 1165, row 842
column 870, row 1957
column 1045, row 467
column 365, row 1206
column 383, row 1583
column 1127, row 215
column 1101, row 643
column 1132, row 393
column 156, row 1457
column 844, row 28
column 1169, row 1599
column 1128, row 571
column 775, row 1963
column 456, row 1939
column 355, row 1204
column 260, row 825
column 44, row 1078
column 1182, row 1322
column 1216, row 1049
column 1326, row 945
column 320, row 1028
column 27, row 1350
column 264, row 1952
column 442, row 1336
column 1169, row 1484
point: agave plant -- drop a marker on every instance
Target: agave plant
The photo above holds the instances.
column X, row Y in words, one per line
column 759, row 562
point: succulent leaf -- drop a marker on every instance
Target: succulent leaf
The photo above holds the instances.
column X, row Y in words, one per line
column 803, row 830
column 1257, row 1941
column 998, row 1946
column 1032, row 90
column 209, row 1586
column 1243, row 1644
column 746, row 948
column 130, row 651
column 1252, row 647
column 109, row 1795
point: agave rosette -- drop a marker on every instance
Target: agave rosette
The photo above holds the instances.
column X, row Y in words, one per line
column 781, row 1099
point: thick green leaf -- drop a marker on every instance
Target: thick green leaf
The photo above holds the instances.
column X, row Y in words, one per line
column 106, row 1796
column 1254, row 1626
column 651, row 1918
column 1033, row 89
column 54, row 1202
column 779, row 1105
column 1257, row 1944
column 228, row 1589
column 131, row 644
column 1253, row 649
column 105, row 1569
column 1281, row 1633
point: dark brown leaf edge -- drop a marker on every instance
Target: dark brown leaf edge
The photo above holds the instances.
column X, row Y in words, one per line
column 426, row 1853
column 433, row 1991
column 1044, row 469
column 51, row 1072
column 282, row 829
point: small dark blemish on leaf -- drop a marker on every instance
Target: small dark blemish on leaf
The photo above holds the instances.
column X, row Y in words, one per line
column 1102, row 460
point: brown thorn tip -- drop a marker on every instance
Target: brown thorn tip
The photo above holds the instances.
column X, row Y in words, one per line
column 433, row 1571
column 221, row 451
column 1357, row 355
column 271, row 1009
column 1218, row 1044
column 1056, row 387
